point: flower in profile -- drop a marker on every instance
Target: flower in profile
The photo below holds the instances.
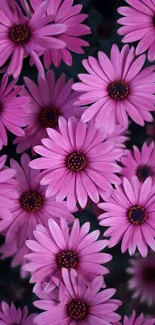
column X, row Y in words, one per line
column 118, row 135
column 129, row 216
column 140, row 163
column 47, row 101
column 78, row 162
column 116, row 88
column 142, row 281
column 136, row 321
column 12, row 110
column 47, row 290
column 23, row 36
column 31, row 206
column 7, row 193
column 9, row 315
column 139, row 25
column 66, row 13
column 79, row 303
column 57, row 246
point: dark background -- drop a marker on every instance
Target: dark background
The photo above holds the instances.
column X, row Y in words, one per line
column 103, row 22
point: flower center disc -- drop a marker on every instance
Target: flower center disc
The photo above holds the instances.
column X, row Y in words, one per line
column 137, row 215
column 143, row 172
column 77, row 309
column 20, row 34
column 49, row 117
column 149, row 274
column 31, row 201
column 67, row 259
column 76, row 161
column 118, row 90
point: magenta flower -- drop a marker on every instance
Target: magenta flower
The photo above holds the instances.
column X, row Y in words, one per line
column 140, row 163
column 136, row 321
column 12, row 112
column 58, row 247
column 129, row 214
column 47, row 290
column 142, row 281
column 139, row 25
column 117, row 88
column 119, row 136
column 80, row 304
column 31, row 206
column 49, row 100
column 78, row 162
column 64, row 12
column 7, row 193
column 9, row 315
column 23, row 36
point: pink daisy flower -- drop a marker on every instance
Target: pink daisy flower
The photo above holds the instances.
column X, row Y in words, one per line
column 118, row 135
column 140, row 163
column 49, row 100
column 58, row 246
column 136, row 321
column 12, row 110
column 79, row 162
column 8, row 193
column 80, row 304
column 31, row 206
column 9, row 315
column 23, row 36
column 117, row 88
column 44, row 290
column 129, row 214
column 66, row 13
column 142, row 281
column 139, row 25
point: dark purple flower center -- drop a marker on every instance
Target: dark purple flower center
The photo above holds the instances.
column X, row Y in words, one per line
column 143, row 172
column 118, row 90
column 20, row 34
column 76, row 161
column 149, row 274
column 67, row 259
column 137, row 215
column 77, row 309
column 49, row 117
column 31, row 201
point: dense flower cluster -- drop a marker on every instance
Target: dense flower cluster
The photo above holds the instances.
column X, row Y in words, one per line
column 78, row 133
